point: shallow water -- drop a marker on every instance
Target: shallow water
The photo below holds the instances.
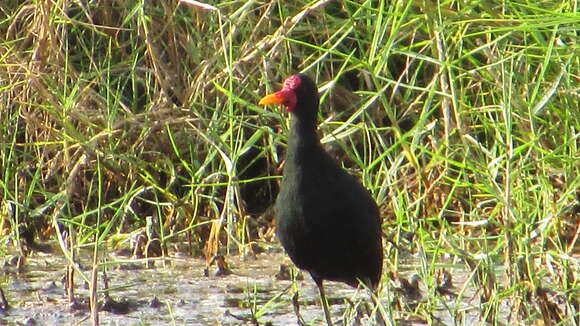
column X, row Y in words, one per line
column 185, row 296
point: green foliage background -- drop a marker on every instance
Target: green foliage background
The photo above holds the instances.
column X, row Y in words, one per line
column 461, row 117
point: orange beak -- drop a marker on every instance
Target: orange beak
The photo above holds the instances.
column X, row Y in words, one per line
column 285, row 97
column 274, row 98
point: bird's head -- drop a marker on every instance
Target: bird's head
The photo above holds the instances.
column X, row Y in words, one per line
column 298, row 95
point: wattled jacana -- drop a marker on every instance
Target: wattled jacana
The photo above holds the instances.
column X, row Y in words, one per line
column 327, row 222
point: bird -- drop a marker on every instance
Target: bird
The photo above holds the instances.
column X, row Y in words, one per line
column 327, row 221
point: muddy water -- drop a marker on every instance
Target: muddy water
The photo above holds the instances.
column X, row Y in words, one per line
column 174, row 293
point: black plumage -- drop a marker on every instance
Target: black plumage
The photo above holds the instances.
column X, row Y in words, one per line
column 327, row 222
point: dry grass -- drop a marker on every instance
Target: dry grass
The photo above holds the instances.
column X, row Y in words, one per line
column 462, row 118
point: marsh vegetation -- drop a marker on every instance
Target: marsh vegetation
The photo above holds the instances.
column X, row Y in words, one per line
column 134, row 125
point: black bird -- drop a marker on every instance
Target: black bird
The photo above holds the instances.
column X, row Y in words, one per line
column 327, row 222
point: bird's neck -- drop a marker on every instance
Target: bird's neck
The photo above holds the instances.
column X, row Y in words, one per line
column 303, row 134
column 303, row 144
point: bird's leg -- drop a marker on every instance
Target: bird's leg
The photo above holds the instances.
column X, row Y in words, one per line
column 296, row 306
column 318, row 282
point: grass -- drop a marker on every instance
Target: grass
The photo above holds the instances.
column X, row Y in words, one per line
column 462, row 118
